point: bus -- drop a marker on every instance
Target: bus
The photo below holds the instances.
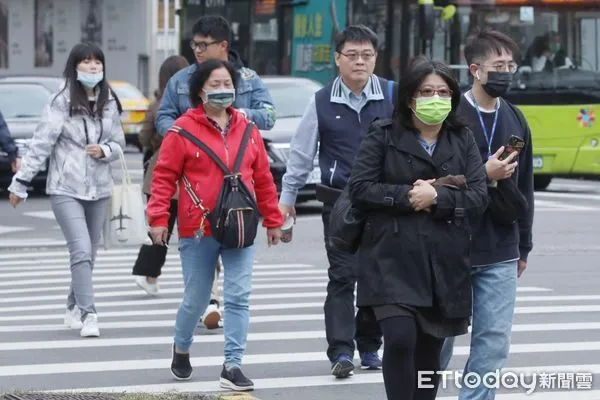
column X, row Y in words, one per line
column 557, row 83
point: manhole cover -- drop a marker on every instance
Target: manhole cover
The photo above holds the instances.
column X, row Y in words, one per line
column 58, row 396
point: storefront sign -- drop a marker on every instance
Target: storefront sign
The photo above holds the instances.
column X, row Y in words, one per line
column 313, row 34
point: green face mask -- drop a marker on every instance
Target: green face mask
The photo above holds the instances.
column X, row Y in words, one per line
column 433, row 110
column 554, row 48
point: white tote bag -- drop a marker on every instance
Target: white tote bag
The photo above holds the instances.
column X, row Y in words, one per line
column 125, row 224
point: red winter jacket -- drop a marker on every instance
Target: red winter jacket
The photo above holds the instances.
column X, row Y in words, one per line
column 178, row 156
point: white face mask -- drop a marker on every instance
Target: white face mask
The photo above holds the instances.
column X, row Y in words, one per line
column 89, row 79
column 220, row 98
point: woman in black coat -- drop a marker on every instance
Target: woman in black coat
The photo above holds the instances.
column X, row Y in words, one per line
column 420, row 181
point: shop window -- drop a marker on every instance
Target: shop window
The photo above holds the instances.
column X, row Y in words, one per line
column 265, row 47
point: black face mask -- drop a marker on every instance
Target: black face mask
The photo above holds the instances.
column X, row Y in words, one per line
column 498, row 83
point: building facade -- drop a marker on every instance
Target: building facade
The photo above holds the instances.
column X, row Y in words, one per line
column 36, row 36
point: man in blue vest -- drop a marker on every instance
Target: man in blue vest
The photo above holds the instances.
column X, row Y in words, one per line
column 335, row 121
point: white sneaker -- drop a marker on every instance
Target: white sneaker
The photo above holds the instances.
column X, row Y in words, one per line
column 212, row 317
column 90, row 326
column 73, row 318
column 150, row 288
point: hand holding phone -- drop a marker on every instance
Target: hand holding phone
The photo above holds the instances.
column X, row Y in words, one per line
column 514, row 143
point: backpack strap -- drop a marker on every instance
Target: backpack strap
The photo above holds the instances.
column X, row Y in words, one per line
column 205, row 148
column 242, row 149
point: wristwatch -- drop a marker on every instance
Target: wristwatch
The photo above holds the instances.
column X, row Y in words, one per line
column 434, row 202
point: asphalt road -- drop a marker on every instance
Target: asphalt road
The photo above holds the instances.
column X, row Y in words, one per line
column 556, row 324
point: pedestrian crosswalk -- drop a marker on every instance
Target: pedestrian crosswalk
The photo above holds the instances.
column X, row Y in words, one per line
column 553, row 334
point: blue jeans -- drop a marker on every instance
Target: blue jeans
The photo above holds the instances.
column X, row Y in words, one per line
column 494, row 296
column 198, row 261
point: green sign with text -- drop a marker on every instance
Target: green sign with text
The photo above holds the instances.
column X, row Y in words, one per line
column 312, row 43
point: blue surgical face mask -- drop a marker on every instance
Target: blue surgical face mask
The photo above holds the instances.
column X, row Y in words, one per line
column 220, row 98
column 89, row 79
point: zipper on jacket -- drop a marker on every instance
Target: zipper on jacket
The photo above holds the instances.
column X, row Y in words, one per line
column 85, row 128
column 395, row 226
column 226, row 149
column 332, row 173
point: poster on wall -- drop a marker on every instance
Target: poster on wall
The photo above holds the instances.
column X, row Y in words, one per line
column 91, row 21
column 3, row 35
column 44, row 35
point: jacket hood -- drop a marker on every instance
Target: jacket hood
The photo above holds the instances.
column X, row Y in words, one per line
column 235, row 59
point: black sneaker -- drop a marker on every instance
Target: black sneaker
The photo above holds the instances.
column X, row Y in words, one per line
column 235, row 379
column 181, row 369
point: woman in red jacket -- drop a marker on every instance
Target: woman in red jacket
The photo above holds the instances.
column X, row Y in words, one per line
column 217, row 124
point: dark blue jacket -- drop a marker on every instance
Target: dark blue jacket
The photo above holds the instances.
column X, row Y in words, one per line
column 7, row 143
column 332, row 126
column 492, row 243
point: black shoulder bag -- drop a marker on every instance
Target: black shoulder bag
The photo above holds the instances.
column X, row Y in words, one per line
column 346, row 222
column 235, row 219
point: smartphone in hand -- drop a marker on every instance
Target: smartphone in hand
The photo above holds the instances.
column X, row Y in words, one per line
column 514, row 143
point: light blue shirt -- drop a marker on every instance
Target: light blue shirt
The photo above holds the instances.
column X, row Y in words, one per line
column 429, row 148
column 354, row 101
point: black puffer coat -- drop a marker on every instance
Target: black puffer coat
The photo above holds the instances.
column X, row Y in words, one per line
column 416, row 258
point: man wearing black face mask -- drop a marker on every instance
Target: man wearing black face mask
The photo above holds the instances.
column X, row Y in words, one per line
column 500, row 244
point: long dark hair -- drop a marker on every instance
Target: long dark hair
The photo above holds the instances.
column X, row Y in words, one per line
column 168, row 68
column 77, row 94
column 410, row 81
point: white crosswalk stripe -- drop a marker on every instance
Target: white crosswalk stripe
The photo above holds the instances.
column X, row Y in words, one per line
column 286, row 343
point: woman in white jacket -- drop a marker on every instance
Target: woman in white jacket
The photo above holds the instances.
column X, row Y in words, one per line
column 80, row 134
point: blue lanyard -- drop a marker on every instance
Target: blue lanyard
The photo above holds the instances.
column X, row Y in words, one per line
column 489, row 139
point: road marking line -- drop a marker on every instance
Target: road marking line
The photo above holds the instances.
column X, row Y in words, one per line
column 105, row 315
column 179, row 291
column 111, row 276
column 261, row 319
column 164, row 282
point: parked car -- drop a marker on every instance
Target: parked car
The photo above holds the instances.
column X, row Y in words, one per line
column 22, row 105
column 291, row 96
column 134, row 103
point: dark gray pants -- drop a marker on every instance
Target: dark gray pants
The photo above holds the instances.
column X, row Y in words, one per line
column 81, row 223
column 342, row 326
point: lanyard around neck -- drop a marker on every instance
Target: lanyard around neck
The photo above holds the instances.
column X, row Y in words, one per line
column 488, row 138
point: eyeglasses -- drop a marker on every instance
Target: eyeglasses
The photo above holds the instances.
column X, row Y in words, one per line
column 202, row 46
column 353, row 56
column 430, row 92
column 502, row 67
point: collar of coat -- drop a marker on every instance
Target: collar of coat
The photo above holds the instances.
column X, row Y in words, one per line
column 372, row 90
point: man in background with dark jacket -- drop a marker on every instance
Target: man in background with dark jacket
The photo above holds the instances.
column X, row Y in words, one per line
column 501, row 243
column 7, row 145
column 335, row 121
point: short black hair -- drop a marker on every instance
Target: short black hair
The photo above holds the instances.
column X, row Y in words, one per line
column 410, row 81
column 483, row 42
column 214, row 26
column 355, row 33
column 201, row 75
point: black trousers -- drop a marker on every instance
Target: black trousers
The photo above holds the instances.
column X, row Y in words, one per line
column 407, row 350
column 151, row 258
column 342, row 326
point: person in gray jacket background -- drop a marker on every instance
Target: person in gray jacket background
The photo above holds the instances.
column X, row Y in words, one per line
column 80, row 132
